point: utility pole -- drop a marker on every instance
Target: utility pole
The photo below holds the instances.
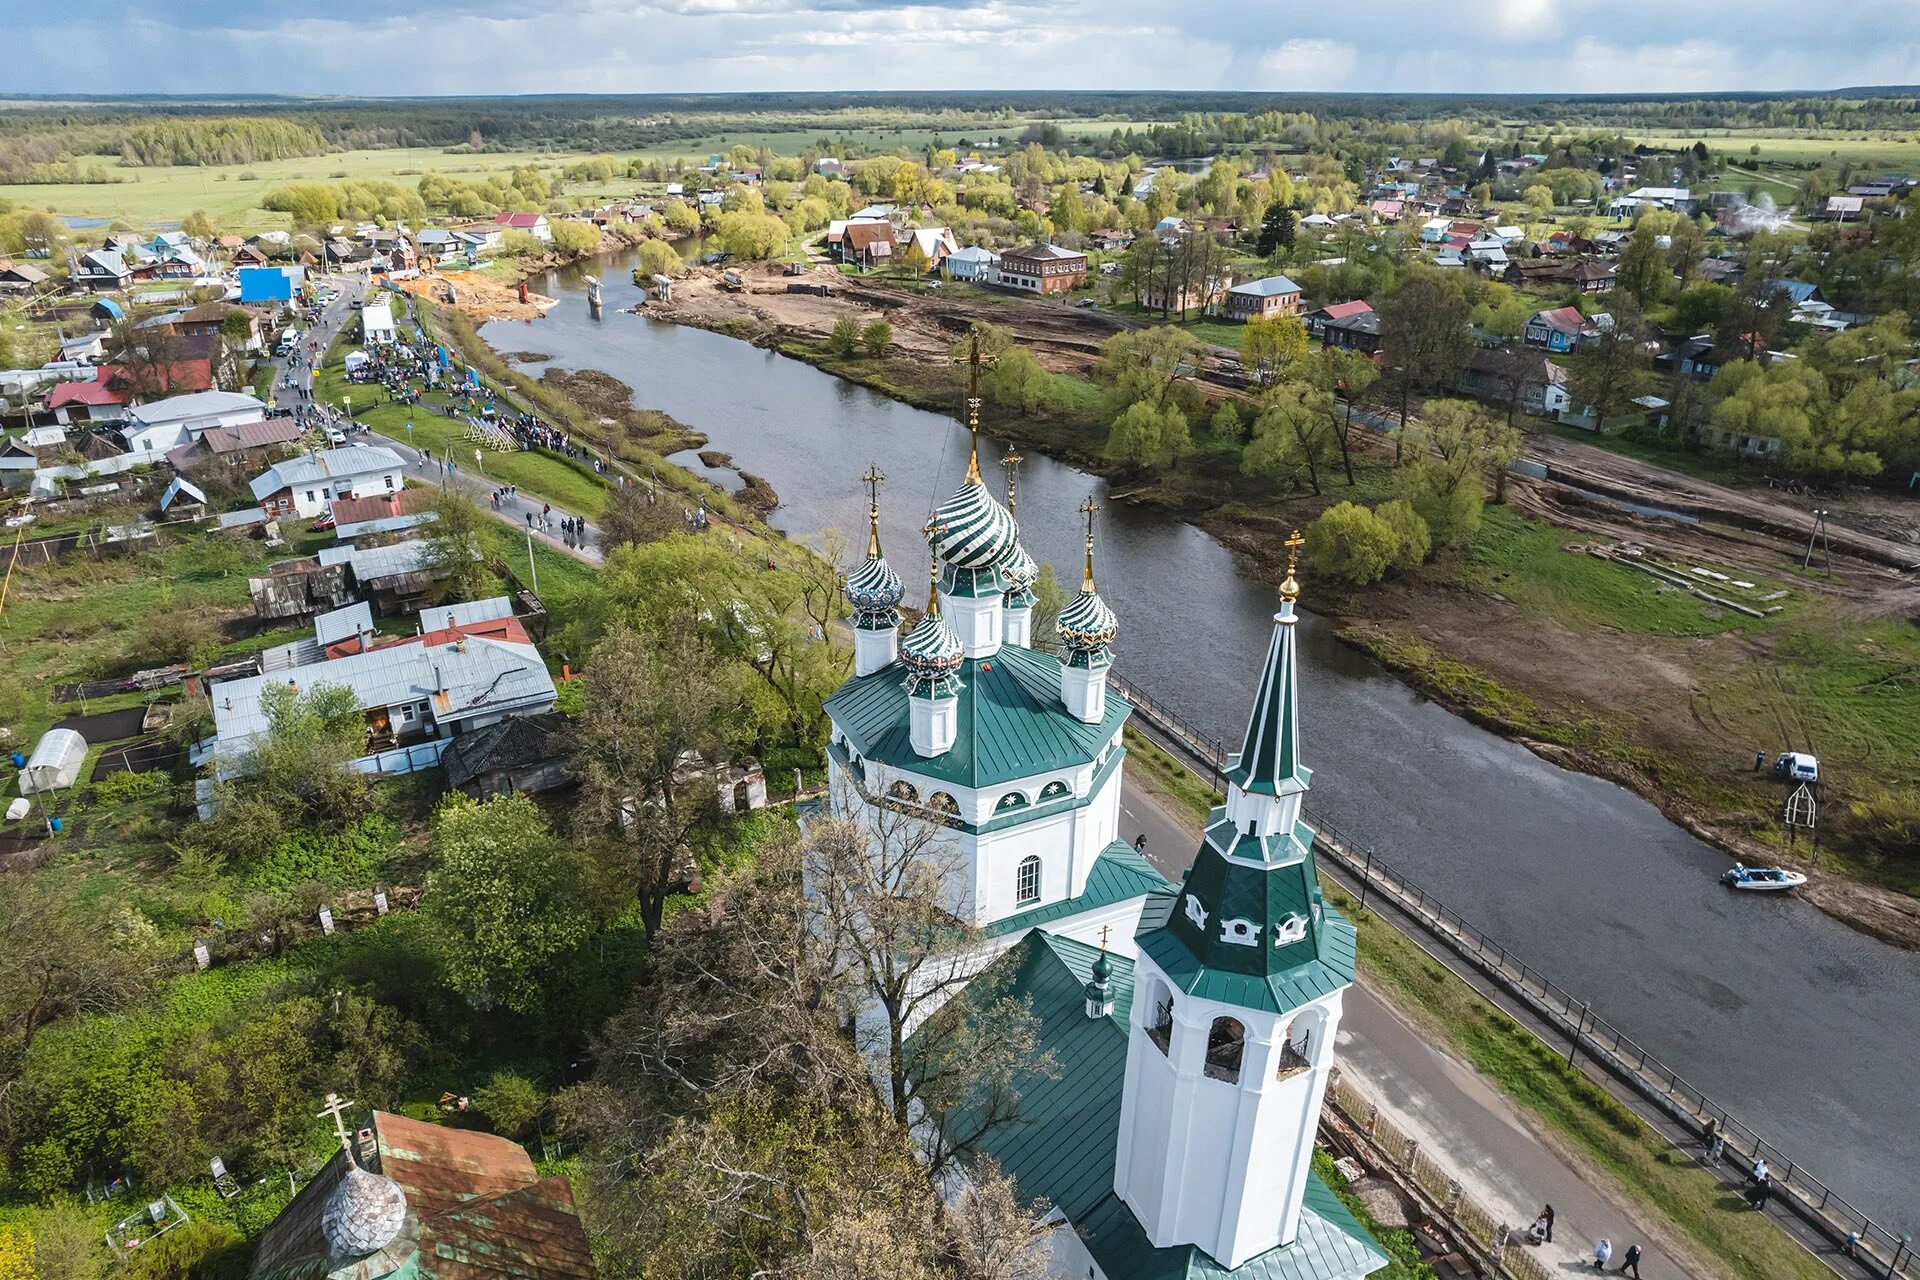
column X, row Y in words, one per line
column 533, row 569
column 1819, row 534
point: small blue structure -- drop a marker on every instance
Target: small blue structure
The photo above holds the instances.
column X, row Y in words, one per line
column 109, row 310
column 270, row 284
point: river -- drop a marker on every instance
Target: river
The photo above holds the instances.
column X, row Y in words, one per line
column 1802, row 1027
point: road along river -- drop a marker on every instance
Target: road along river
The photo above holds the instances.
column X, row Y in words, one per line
column 1805, row 1029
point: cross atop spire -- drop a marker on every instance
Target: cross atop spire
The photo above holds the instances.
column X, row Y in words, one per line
column 1012, row 463
column 1290, row 588
column 337, row 1108
column 873, row 480
column 1087, row 509
column 933, row 571
column 973, row 410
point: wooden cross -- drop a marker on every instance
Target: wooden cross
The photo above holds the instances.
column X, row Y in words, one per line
column 337, row 1108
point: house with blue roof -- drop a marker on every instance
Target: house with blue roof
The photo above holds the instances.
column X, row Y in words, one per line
column 1190, row 1028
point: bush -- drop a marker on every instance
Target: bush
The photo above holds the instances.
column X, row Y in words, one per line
column 196, row 1250
column 1226, row 425
column 1452, row 517
column 1348, row 543
column 1415, row 539
column 511, row 1102
column 127, row 786
column 845, row 336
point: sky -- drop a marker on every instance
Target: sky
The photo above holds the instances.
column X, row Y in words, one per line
column 406, row 47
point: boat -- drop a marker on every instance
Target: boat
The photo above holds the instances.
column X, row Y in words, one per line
column 1762, row 879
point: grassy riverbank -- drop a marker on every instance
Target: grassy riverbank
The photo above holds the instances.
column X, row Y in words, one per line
column 1578, row 1114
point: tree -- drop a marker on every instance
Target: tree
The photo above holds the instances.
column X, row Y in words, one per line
column 1644, row 272
column 1410, row 531
column 750, row 235
column 652, row 703
column 150, row 359
column 658, row 258
column 298, row 775
column 877, row 337
column 1269, row 344
column 1276, row 230
column 511, row 1102
column 1349, row 544
column 65, row 953
column 574, row 237
column 1148, row 436
column 1424, row 333
column 1155, row 365
column 198, row 226
column 507, row 904
column 845, row 336
column 1346, row 377
column 452, row 559
column 1752, row 320
column 1294, row 430
column 1448, row 454
column 634, row 515
column 1538, row 198
column 1608, row 371
column 1225, row 425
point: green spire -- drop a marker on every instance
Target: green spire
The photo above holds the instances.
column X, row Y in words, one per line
column 1269, row 759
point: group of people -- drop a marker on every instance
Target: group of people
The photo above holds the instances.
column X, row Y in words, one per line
column 1542, row 1233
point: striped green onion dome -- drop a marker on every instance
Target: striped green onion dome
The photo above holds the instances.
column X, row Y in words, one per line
column 1021, row 573
column 931, row 653
column 1086, row 623
column 972, row 531
column 874, row 587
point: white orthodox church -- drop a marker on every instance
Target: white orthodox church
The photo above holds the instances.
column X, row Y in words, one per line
column 1192, row 1025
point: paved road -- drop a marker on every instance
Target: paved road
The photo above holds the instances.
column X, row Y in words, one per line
column 1445, row 1104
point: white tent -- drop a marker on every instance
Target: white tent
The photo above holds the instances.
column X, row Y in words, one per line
column 55, row 762
column 376, row 324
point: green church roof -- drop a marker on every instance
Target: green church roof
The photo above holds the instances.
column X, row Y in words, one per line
column 1063, row 1146
column 1011, row 722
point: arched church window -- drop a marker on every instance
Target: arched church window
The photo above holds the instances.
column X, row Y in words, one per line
column 1011, row 800
column 1053, row 790
column 1026, row 884
column 941, row 802
column 1160, row 1025
column 1226, row 1042
column 903, row 790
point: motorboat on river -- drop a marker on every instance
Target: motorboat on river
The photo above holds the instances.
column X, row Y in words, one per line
column 1762, row 879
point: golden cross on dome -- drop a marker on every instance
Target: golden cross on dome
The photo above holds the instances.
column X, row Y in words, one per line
column 1103, row 935
column 873, row 480
column 337, row 1107
column 1012, row 463
column 1087, row 509
column 1290, row 589
column 973, row 410
column 933, row 569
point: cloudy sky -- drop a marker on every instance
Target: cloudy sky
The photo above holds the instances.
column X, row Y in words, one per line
column 619, row 46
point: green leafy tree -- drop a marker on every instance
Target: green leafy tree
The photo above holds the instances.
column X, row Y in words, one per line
column 658, row 258
column 750, row 235
column 1608, row 371
column 1349, row 544
column 1346, row 377
column 877, row 337
column 845, row 336
column 575, row 238
column 1155, row 365
column 1538, row 198
column 199, row 226
column 1410, row 530
column 1448, row 454
column 1148, row 436
column 511, row 1102
column 1425, row 333
column 1644, row 271
column 1270, row 344
column 1276, row 230
column 454, row 560
column 506, row 902
column 296, row 776
column 1293, row 433
column 1226, row 425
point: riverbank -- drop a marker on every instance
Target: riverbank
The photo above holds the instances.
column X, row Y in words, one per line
column 1588, row 663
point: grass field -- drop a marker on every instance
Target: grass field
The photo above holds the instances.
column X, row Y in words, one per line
column 1797, row 146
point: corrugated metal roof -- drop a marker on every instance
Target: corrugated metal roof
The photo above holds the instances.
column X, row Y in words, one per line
column 1011, row 722
column 1063, row 1145
column 1118, row 874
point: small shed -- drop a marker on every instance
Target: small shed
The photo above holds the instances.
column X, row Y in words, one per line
column 55, row 763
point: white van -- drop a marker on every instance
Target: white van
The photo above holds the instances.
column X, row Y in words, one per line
column 288, row 341
column 1797, row 766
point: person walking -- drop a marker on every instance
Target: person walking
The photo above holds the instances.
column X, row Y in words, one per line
column 1546, row 1217
column 1602, row 1253
column 1630, row 1263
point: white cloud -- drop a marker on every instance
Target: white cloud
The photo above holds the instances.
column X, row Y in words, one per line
column 1309, row 64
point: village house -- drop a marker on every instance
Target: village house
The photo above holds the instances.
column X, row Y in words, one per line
column 1529, row 380
column 867, row 243
column 1560, row 329
column 1109, row 239
column 475, row 667
column 20, row 278
column 1042, row 268
column 245, row 445
column 304, row 485
column 101, row 271
column 1259, row 299
column 533, row 224
column 972, row 263
column 934, row 243
column 1357, row 331
column 1319, row 318
column 164, row 425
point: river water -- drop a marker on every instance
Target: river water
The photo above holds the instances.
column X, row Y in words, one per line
column 1805, row 1029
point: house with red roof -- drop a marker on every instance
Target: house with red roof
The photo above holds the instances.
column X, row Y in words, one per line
column 534, row 224
column 1318, row 320
column 1560, row 329
column 94, row 400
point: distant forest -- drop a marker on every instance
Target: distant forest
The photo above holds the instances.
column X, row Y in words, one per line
column 70, row 140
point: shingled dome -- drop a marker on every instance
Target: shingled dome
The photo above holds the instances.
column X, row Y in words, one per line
column 364, row 1213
